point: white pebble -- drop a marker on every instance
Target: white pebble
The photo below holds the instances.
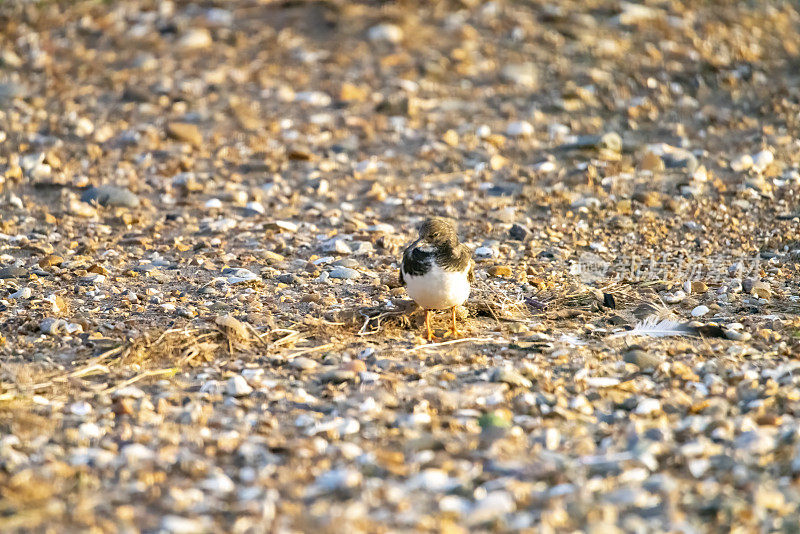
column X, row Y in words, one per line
column 519, row 129
column 699, row 311
column 386, row 32
column 24, row 293
column 742, row 163
column 238, row 386
column 762, row 160
column 647, row 406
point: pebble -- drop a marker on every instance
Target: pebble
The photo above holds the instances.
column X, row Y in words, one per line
column 186, row 132
column 647, row 406
column 522, row 74
column 742, row 163
column 386, row 32
column 490, row 507
column 336, row 479
column 761, row 290
column 303, row 363
column 675, row 297
column 111, row 196
column 762, row 160
column 509, row 375
column 519, row 129
column 239, row 275
column 499, row 270
column 238, row 387
column 284, row 226
column 484, row 253
column 344, row 273
column 54, row 326
column 518, row 232
column 13, row 272
column 700, row 311
column 195, row 39
column 337, row 246
column 646, row 361
column 24, row 293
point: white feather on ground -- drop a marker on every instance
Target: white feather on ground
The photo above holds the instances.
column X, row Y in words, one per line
column 653, row 326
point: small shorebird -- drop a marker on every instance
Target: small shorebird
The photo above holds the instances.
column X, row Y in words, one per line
column 437, row 270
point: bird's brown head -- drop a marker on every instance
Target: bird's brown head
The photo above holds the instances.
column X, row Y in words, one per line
column 438, row 231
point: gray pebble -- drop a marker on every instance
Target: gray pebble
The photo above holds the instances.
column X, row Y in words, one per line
column 345, row 273
column 13, row 272
column 109, row 195
column 518, row 232
column 289, row 278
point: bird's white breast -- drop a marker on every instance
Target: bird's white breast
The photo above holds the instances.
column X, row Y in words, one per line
column 438, row 289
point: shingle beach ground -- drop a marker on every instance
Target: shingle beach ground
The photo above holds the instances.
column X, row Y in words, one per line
column 202, row 210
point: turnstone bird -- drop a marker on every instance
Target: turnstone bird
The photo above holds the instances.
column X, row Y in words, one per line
column 437, row 270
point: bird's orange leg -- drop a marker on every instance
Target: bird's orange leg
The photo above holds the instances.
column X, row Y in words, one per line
column 454, row 330
column 428, row 324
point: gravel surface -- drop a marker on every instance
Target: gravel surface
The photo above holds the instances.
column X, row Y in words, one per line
column 202, row 209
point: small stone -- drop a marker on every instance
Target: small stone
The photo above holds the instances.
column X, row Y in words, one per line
column 283, row 226
column 651, row 162
column 644, row 360
column 651, row 199
column 510, row 376
column 13, row 272
column 385, row 32
column 24, row 293
column 736, row 335
column 451, row 138
column 219, row 484
column 110, row 196
column 175, row 524
column 238, row 386
column 337, row 479
column 754, row 442
column 361, row 248
column 610, row 141
column 84, row 127
column 523, row 74
column 186, row 132
column 484, row 253
column 762, row 160
column 289, row 279
column 337, row 246
column 490, row 507
column 742, row 163
column 52, row 326
column 700, row 311
column 356, row 366
column 674, row 298
column 344, row 273
column 519, row 129
column 80, row 408
column 195, row 39
column 696, row 287
column 518, row 232
column 499, row 270
column 647, row 406
column 761, row 290
column 239, row 275
column 50, row 260
column 302, row 363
